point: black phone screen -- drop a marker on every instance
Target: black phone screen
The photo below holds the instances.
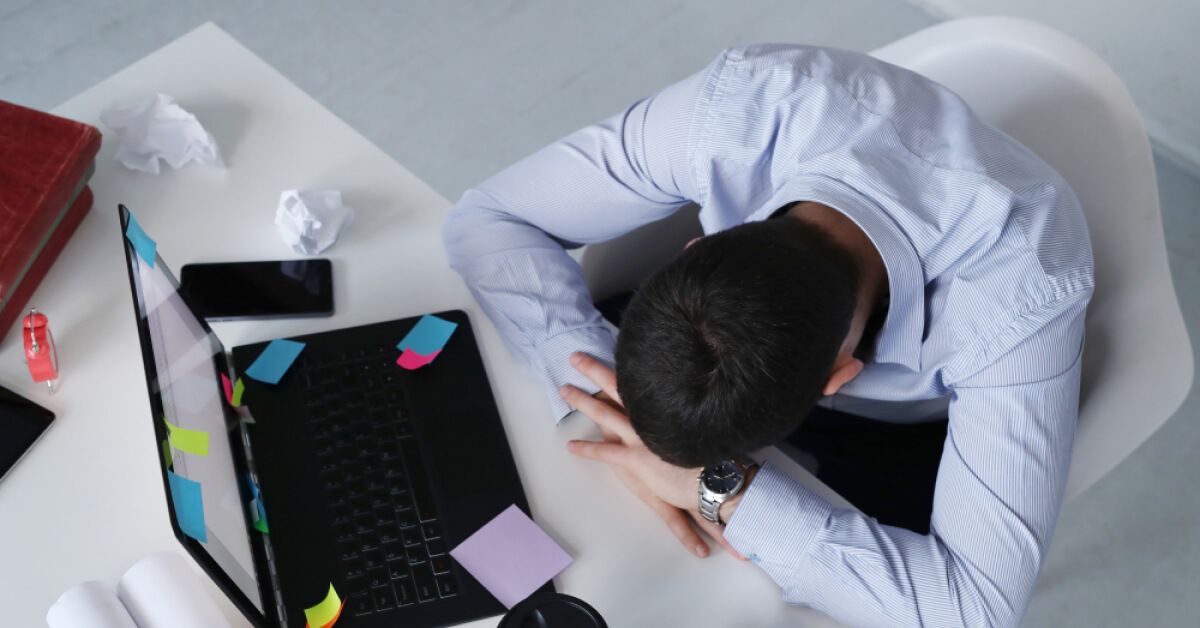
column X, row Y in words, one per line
column 258, row 289
column 21, row 424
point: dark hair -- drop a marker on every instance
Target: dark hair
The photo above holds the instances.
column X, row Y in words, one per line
column 728, row 347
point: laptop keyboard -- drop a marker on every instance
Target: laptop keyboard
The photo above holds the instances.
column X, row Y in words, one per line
column 388, row 535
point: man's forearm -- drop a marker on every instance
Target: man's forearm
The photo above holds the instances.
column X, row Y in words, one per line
column 505, row 235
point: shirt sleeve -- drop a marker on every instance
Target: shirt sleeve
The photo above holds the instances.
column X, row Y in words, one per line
column 999, row 489
column 507, row 236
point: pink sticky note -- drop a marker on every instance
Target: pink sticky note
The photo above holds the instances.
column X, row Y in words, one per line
column 412, row 360
column 228, row 388
column 511, row 556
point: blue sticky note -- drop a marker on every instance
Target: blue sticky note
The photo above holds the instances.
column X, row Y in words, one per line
column 428, row 336
column 274, row 361
column 142, row 243
column 189, row 507
column 253, row 486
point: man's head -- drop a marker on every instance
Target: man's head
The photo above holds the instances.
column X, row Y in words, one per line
column 729, row 346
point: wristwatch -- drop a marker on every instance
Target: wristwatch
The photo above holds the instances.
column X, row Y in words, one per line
column 719, row 483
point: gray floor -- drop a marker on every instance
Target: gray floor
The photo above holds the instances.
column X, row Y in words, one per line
column 456, row 90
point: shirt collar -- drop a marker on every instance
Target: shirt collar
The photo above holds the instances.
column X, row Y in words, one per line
column 899, row 341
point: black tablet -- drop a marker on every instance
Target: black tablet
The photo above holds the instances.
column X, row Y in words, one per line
column 22, row 423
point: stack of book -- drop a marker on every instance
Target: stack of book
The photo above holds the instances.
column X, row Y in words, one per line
column 45, row 165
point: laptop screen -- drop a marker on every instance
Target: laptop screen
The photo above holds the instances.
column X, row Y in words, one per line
column 183, row 361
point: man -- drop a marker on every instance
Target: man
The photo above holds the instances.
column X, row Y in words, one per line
column 872, row 244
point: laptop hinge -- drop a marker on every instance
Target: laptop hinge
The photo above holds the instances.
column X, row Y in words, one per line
column 245, row 418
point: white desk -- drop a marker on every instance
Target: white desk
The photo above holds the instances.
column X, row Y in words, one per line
column 87, row 502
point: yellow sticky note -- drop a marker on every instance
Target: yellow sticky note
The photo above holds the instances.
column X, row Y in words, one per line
column 166, row 451
column 326, row 613
column 188, row 441
column 239, row 387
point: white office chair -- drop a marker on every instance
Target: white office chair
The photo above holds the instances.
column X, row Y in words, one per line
column 1062, row 101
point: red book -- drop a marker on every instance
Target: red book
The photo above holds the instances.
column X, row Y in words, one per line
column 45, row 162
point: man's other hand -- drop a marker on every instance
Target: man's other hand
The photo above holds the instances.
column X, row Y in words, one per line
column 669, row 490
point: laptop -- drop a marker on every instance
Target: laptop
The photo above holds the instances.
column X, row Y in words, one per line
column 368, row 474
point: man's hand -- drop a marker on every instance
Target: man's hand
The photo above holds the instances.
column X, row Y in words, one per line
column 669, row 490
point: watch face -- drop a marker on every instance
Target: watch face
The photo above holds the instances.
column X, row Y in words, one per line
column 722, row 477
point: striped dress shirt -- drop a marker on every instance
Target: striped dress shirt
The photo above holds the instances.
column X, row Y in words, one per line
column 989, row 269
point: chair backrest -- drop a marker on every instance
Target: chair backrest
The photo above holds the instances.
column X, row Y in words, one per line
column 1062, row 101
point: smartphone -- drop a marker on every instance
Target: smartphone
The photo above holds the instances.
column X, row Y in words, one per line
column 22, row 423
column 245, row 290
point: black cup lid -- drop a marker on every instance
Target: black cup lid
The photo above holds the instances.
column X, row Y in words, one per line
column 552, row 610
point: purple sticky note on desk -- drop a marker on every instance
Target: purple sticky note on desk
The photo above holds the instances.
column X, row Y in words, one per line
column 511, row 556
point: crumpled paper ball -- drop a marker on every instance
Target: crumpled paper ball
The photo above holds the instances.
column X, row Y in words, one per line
column 157, row 128
column 309, row 221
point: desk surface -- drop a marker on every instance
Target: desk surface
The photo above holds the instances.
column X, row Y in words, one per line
column 87, row 502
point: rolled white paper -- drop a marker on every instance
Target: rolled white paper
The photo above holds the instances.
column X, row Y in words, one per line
column 89, row 605
column 161, row 591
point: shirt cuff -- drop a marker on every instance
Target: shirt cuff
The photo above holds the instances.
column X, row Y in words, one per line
column 556, row 370
column 776, row 522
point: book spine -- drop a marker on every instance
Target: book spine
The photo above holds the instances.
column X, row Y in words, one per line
column 58, row 240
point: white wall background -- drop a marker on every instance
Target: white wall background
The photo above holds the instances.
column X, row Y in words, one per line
column 1152, row 44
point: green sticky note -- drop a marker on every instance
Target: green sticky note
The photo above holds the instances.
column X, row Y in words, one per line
column 326, row 611
column 188, row 441
column 167, row 458
column 239, row 387
column 257, row 514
